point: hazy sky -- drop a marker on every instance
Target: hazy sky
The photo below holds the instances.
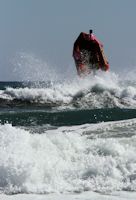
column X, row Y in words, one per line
column 47, row 29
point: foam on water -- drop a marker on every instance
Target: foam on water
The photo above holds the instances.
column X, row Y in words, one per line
column 68, row 159
column 100, row 91
column 81, row 196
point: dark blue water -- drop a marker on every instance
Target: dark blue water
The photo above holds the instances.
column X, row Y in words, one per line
column 22, row 103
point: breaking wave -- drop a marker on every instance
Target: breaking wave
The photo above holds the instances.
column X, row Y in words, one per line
column 99, row 91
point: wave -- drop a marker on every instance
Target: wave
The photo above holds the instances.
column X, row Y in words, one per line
column 68, row 159
column 100, row 91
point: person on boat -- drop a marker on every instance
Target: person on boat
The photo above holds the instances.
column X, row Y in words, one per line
column 88, row 54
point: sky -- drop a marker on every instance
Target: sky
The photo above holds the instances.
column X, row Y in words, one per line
column 47, row 29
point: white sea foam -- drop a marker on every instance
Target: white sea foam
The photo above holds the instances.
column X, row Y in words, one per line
column 68, row 159
column 81, row 196
column 100, row 91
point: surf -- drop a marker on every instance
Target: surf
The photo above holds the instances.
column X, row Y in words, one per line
column 68, row 159
column 99, row 91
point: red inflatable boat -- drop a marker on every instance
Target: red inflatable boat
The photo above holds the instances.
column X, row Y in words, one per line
column 88, row 54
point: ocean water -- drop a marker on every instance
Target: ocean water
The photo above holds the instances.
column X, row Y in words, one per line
column 70, row 139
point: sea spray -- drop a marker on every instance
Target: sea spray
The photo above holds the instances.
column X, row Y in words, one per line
column 28, row 67
column 101, row 91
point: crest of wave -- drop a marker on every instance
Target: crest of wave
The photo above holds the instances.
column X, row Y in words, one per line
column 67, row 91
column 30, row 68
column 100, row 90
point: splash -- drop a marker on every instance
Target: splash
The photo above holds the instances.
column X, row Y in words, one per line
column 104, row 90
column 49, row 88
column 60, row 92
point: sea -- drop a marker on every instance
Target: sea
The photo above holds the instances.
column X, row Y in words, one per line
column 70, row 139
